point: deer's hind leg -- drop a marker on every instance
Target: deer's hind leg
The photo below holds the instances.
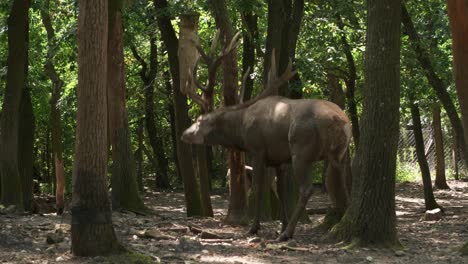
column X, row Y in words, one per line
column 337, row 186
column 301, row 168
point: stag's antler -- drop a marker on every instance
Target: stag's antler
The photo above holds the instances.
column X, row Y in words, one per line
column 213, row 62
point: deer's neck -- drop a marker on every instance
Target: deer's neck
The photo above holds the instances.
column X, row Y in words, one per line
column 230, row 132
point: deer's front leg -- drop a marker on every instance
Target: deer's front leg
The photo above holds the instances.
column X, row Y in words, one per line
column 258, row 182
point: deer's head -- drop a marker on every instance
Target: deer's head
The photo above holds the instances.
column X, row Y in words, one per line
column 203, row 130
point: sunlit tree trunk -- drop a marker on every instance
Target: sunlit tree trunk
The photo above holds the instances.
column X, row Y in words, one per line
column 92, row 232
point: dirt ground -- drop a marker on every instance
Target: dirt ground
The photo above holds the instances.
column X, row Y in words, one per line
column 170, row 237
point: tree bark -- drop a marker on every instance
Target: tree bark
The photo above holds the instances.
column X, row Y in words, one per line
column 124, row 184
column 440, row 180
column 429, row 199
column 11, row 193
column 26, row 149
column 92, row 232
column 237, row 197
column 458, row 16
column 371, row 217
column 55, row 113
column 435, row 81
column 182, row 121
column 248, row 49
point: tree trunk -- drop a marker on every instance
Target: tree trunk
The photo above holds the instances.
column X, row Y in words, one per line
column 435, row 81
column 92, row 232
column 237, row 197
column 371, row 217
column 284, row 20
column 455, row 155
column 458, row 16
column 440, row 180
column 148, row 76
column 26, row 149
column 124, row 184
column 350, row 81
column 56, row 124
column 203, row 175
column 139, row 155
column 11, row 193
column 171, row 111
column 162, row 177
column 248, row 49
column 429, row 199
column 182, row 121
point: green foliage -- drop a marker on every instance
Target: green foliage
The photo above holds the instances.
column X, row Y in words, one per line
column 407, row 172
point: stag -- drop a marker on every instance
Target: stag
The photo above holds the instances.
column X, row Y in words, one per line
column 276, row 130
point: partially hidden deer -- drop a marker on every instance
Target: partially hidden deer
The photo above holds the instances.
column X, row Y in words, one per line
column 276, row 130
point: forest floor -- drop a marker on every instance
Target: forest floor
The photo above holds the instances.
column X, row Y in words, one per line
column 170, row 237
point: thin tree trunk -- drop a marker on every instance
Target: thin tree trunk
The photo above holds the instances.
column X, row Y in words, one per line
column 92, row 232
column 148, row 76
column 56, row 124
column 440, row 180
column 455, row 155
column 248, row 54
column 429, row 199
column 124, row 184
column 350, row 81
column 171, row 111
column 139, row 154
column 11, row 193
column 371, row 218
column 182, row 121
column 435, row 81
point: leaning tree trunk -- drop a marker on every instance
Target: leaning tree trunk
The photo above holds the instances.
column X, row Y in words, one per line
column 55, row 119
column 92, row 232
column 440, row 180
column 429, row 199
column 371, row 217
column 11, row 193
column 124, row 184
column 437, row 83
column 182, row 121
column 458, row 14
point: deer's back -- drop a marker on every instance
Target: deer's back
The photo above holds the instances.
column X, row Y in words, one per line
column 279, row 126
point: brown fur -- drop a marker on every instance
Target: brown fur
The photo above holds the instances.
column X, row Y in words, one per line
column 277, row 130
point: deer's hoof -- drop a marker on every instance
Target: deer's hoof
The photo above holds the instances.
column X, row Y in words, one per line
column 254, row 230
column 283, row 237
